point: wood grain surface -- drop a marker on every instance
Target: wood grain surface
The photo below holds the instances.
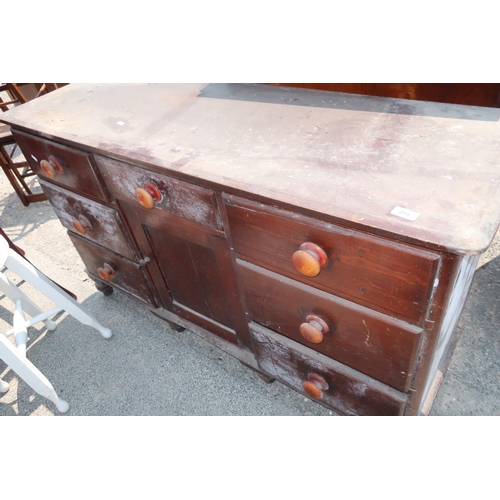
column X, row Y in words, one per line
column 354, row 158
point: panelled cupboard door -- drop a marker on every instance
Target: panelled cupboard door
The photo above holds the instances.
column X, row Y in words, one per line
column 191, row 267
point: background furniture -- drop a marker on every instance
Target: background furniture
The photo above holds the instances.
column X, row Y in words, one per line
column 15, row 355
column 18, row 172
column 324, row 240
column 471, row 94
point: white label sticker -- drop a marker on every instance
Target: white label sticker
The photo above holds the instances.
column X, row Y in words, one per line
column 405, row 213
column 34, row 157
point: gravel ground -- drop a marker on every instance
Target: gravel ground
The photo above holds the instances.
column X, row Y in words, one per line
column 147, row 369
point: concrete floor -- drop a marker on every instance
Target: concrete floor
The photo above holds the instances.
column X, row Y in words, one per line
column 147, row 369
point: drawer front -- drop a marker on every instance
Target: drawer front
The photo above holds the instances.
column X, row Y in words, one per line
column 150, row 191
column 374, row 344
column 390, row 277
column 322, row 379
column 61, row 165
column 122, row 273
column 91, row 220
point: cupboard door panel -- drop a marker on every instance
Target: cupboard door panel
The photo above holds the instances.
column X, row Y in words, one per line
column 192, row 262
column 191, row 273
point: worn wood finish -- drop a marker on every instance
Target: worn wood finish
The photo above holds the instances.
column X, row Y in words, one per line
column 348, row 393
column 372, row 343
column 472, row 94
column 192, row 262
column 78, row 173
column 106, row 228
column 179, row 198
column 326, row 240
column 392, row 277
column 128, row 278
column 353, row 158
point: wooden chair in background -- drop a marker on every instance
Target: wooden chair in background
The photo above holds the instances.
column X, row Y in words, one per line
column 15, row 94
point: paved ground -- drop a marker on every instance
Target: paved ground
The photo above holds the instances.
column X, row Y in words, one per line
column 147, row 369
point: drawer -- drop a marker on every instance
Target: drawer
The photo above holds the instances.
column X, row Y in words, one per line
column 114, row 270
column 391, row 277
column 91, row 220
column 151, row 191
column 379, row 346
column 61, row 165
column 332, row 384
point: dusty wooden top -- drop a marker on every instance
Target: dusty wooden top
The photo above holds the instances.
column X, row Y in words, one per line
column 355, row 158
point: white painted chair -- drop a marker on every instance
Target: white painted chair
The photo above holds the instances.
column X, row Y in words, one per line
column 15, row 355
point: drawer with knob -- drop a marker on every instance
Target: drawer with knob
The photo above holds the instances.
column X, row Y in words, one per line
column 89, row 219
column 379, row 346
column 115, row 270
column 324, row 380
column 149, row 191
column 61, row 165
column 388, row 276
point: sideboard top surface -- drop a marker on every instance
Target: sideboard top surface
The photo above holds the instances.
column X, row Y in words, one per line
column 351, row 157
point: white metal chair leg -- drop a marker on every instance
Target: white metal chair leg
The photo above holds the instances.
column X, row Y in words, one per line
column 30, row 374
column 20, row 328
column 4, row 386
column 31, row 275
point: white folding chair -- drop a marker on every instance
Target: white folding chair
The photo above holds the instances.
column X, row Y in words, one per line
column 15, row 355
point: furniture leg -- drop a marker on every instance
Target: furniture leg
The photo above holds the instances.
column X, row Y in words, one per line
column 30, row 374
column 14, row 293
column 20, row 329
column 38, row 280
column 105, row 289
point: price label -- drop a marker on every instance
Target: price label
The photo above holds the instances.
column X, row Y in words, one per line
column 405, row 213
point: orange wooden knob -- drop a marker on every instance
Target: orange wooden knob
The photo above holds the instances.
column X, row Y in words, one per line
column 78, row 226
column 55, row 163
column 315, row 386
column 81, row 225
column 147, row 195
column 48, row 169
column 314, row 329
column 309, row 259
column 51, row 167
column 106, row 271
column 312, row 390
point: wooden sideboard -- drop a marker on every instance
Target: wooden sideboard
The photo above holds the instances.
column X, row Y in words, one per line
column 325, row 240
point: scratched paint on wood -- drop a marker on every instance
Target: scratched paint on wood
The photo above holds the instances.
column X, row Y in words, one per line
column 341, row 155
column 349, row 392
column 182, row 199
column 106, row 226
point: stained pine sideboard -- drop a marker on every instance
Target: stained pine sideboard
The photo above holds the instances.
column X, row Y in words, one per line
column 325, row 240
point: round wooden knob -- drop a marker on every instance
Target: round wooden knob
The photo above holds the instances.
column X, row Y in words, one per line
column 55, row 163
column 314, row 386
column 309, row 259
column 48, row 169
column 106, row 271
column 314, row 329
column 51, row 167
column 78, row 226
column 148, row 195
column 81, row 225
